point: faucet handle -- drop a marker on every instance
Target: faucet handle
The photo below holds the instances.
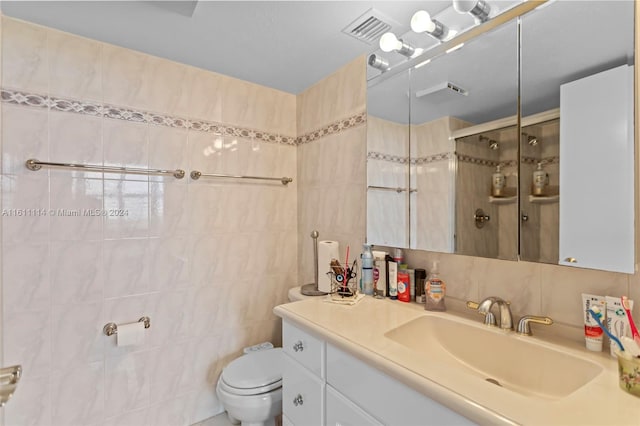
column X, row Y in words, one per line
column 472, row 305
column 523, row 324
column 489, row 318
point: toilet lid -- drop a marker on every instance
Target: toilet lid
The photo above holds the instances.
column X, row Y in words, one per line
column 254, row 370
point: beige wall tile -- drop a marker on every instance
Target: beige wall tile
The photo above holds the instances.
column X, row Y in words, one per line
column 163, row 85
column 75, row 67
column 24, row 51
column 562, row 286
column 123, row 77
column 201, row 96
column 340, row 95
column 257, row 107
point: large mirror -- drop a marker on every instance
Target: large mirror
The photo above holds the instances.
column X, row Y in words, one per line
column 457, row 146
column 566, row 191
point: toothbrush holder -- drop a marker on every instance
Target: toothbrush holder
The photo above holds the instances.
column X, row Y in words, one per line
column 340, row 291
column 629, row 375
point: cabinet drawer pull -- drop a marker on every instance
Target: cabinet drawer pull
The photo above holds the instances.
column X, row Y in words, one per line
column 298, row 400
column 298, row 346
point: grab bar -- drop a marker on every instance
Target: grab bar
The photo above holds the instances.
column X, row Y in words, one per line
column 35, row 165
column 195, row 175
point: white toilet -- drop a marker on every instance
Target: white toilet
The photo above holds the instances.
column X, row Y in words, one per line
column 250, row 388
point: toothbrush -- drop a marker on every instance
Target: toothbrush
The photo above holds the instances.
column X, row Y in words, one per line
column 596, row 314
column 627, row 309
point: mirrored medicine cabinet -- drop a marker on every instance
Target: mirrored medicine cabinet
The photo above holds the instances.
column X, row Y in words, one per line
column 547, row 101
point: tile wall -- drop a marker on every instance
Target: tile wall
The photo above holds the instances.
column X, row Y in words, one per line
column 332, row 169
column 433, row 174
column 387, row 167
column 206, row 260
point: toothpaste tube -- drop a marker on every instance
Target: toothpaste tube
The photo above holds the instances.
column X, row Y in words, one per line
column 592, row 331
column 617, row 321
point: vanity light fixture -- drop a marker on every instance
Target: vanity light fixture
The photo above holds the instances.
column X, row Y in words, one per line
column 421, row 22
column 378, row 62
column 389, row 42
column 422, row 64
column 479, row 9
column 454, row 48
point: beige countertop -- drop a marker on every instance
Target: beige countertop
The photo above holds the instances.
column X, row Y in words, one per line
column 360, row 330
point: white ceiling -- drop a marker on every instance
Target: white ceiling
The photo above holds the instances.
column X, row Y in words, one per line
column 287, row 45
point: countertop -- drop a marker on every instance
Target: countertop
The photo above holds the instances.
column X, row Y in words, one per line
column 360, row 330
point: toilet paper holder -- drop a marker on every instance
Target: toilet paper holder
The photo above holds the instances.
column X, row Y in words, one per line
column 111, row 328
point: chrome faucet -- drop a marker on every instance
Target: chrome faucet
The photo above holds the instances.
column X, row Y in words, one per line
column 506, row 321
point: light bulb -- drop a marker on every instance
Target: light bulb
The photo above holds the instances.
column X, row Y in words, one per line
column 421, row 22
column 464, row 6
column 479, row 9
column 389, row 42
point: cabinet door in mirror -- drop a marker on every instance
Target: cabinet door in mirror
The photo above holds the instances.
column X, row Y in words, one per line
column 577, row 140
column 463, row 133
column 388, row 162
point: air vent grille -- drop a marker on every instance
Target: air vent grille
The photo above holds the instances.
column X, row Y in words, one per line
column 369, row 26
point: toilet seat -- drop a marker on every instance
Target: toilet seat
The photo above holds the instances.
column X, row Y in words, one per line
column 253, row 373
column 250, row 391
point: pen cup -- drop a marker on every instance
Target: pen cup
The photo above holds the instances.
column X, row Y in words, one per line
column 629, row 375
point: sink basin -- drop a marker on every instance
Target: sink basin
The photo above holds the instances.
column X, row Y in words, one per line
column 527, row 367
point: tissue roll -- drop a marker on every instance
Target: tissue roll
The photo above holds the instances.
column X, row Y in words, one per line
column 130, row 334
column 327, row 250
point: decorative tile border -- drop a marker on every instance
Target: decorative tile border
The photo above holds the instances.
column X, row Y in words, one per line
column 546, row 160
column 372, row 155
column 432, row 158
column 333, row 128
column 414, row 161
column 138, row 116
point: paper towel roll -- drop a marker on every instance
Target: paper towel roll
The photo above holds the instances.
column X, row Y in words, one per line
column 130, row 334
column 327, row 250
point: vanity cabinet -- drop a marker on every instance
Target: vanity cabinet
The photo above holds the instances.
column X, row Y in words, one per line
column 326, row 385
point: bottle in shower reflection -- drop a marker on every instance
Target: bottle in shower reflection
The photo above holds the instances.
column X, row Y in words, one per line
column 540, row 181
column 498, row 182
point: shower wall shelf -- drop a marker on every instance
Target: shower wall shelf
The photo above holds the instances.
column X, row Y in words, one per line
column 503, row 200
column 195, row 175
column 35, row 165
column 544, row 199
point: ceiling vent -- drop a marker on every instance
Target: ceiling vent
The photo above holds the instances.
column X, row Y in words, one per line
column 369, row 26
column 442, row 91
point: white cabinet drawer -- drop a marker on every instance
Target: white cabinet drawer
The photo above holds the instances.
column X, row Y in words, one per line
column 302, row 395
column 342, row 412
column 308, row 350
column 388, row 400
column 286, row 421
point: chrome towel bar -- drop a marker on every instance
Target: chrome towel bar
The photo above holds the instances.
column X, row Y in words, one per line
column 35, row 165
column 195, row 175
column 388, row 188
